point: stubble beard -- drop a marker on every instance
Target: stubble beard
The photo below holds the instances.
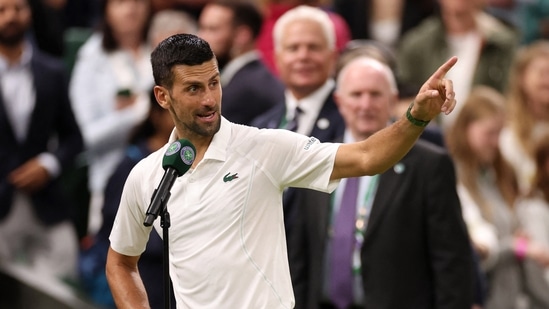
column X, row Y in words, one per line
column 196, row 129
column 14, row 38
column 204, row 130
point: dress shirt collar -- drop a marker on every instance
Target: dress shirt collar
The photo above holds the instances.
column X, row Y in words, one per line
column 24, row 61
column 310, row 106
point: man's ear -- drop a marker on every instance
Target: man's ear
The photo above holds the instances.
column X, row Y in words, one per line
column 162, row 96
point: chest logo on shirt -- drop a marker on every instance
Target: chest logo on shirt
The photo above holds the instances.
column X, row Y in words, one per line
column 230, row 177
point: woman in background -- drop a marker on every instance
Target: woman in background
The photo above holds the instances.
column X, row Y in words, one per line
column 487, row 185
column 109, row 91
column 528, row 115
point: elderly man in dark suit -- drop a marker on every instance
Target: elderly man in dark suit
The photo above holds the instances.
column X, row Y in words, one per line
column 389, row 241
column 305, row 49
column 39, row 137
column 305, row 54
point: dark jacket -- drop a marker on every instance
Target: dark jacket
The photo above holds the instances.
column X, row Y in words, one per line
column 416, row 251
column 52, row 119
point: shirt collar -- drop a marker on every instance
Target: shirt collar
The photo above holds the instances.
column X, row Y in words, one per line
column 311, row 104
column 217, row 149
column 23, row 62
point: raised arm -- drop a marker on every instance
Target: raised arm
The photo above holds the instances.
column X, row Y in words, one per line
column 124, row 281
column 386, row 147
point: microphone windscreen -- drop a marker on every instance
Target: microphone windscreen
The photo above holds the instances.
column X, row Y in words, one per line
column 179, row 156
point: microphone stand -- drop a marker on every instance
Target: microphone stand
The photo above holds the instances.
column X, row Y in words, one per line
column 165, row 223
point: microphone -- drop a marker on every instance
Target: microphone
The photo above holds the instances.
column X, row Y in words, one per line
column 177, row 160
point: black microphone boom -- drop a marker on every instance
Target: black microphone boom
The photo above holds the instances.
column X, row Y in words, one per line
column 177, row 160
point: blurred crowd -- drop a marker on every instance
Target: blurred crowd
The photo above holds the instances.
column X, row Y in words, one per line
column 77, row 113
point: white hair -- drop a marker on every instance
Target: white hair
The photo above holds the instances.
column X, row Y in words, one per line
column 305, row 12
column 367, row 61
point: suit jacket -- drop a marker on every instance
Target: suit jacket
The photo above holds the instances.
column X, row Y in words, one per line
column 335, row 125
column 52, row 117
column 416, row 251
column 252, row 91
column 335, row 128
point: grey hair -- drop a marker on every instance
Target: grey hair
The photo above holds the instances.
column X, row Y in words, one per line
column 305, row 12
column 373, row 63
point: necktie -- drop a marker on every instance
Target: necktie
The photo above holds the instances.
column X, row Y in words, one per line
column 341, row 271
column 292, row 125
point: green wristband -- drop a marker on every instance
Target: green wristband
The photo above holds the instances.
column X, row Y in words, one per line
column 414, row 121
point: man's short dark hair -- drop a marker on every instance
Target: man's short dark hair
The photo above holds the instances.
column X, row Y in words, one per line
column 179, row 49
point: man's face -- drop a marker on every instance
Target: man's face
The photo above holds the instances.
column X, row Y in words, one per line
column 304, row 60
column 15, row 19
column 364, row 99
column 216, row 28
column 194, row 101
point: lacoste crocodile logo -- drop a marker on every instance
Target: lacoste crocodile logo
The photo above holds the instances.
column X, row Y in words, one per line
column 229, row 177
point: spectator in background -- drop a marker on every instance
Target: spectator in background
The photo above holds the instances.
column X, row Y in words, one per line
column 487, row 184
column 381, row 52
column 109, row 91
column 405, row 250
column 528, row 104
column 383, row 21
column 533, row 209
column 306, row 55
column 39, row 138
column 274, row 9
column 231, row 27
column 483, row 45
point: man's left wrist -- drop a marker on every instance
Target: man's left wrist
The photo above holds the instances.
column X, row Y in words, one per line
column 414, row 120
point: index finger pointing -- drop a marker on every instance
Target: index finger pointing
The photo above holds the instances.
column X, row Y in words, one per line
column 443, row 69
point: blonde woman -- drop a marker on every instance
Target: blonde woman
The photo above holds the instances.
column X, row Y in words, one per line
column 528, row 117
column 487, row 186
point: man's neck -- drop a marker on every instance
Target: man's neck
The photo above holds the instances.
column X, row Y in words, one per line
column 12, row 53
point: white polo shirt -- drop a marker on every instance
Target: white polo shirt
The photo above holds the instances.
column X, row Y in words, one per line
column 227, row 241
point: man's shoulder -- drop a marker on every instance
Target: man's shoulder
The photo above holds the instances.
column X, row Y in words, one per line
column 429, row 29
column 497, row 33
